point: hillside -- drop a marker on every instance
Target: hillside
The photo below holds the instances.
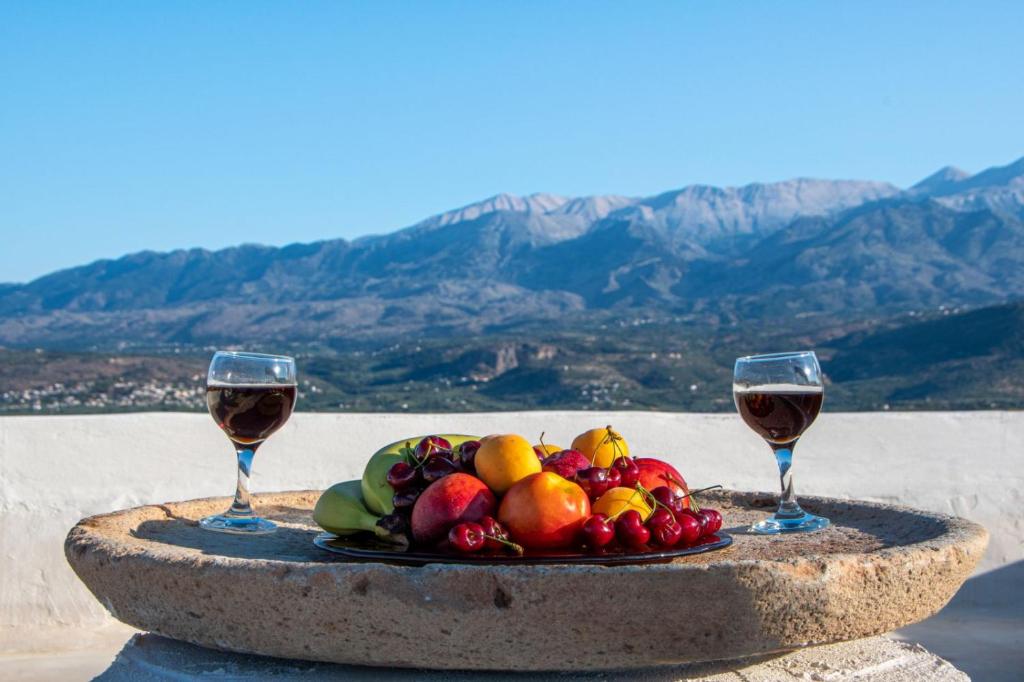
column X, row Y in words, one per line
column 851, row 249
column 943, row 360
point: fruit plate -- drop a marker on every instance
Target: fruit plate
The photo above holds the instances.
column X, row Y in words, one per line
column 368, row 550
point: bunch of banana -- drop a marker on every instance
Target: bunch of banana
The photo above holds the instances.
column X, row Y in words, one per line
column 340, row 510
column 376, row 492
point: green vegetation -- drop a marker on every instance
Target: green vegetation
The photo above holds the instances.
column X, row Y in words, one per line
column 964, row 360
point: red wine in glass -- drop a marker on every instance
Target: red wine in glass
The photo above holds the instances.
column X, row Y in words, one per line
column 779, row 416
column 250, row 396
column 249, row 414
column 779, row 396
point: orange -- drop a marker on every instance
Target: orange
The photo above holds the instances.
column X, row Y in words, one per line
column 618, row 500
column 544, row 511
column 503, row 460
column 601, row 446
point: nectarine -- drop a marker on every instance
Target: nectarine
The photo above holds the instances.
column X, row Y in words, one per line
column 453, row 499
column 544, row 511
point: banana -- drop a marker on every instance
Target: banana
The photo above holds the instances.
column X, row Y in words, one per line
column 377, row 494
column 340, row 510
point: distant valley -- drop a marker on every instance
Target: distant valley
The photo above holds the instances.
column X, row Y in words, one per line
column 944, row 360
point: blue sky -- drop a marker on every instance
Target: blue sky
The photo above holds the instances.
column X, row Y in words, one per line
column 127, row 126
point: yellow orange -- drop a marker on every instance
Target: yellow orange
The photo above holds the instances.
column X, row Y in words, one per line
column 618, row 500
column 601, row 446
column 503, row 460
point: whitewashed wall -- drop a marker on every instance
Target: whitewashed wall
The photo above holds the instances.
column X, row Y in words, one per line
column 55, row 470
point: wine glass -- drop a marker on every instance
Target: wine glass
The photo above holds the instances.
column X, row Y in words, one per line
column 250, row 396
column 779, row 395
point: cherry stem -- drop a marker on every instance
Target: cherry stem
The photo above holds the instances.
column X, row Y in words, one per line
column 654, row 503
column 609, row 437
column 693, row 500
column 593, row 455
column 518, row 549
column 614, row 438
column 701, row 490
column 410, row 454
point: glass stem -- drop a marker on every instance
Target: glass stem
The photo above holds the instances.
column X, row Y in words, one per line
column 788, row 506
column 242, row 506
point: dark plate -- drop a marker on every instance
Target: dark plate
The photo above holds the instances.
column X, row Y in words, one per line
column 367, row 549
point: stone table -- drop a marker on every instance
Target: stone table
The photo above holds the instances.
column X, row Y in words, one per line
column 878, row 568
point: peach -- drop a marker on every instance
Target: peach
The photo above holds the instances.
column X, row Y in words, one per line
column 447, row 501
column 544, row 511
column 566, row 463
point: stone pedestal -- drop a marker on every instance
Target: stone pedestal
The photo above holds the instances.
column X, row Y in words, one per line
column 877, row 568
column 151, row 658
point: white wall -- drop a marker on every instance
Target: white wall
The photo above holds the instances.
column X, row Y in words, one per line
column 55, row 470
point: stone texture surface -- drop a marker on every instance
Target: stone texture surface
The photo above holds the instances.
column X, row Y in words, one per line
column 151, row 658
column 878, row 568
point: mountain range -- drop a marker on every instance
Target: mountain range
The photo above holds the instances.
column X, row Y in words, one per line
column 764, row 251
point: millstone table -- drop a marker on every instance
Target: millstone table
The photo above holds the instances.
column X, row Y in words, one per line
column 878, row 568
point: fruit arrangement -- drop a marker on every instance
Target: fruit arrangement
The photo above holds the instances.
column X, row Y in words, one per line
column 500, row 494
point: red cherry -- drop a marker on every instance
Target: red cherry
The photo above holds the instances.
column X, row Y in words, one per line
column 494, row 532
column 614, row 478
column 667, row 497
column 467, row 537
column 598, row 531
column 702, row 520
column 690, row 528
column 628, row 469
column 467, row 454
column 594, row 481
column 712, row 520
column 631, row 531
column 432, row 445
column 665, row 531
column 401, row 476
column 659, row 518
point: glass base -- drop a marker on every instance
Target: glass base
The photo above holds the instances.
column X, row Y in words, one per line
column 240, row 525
column 795, row 524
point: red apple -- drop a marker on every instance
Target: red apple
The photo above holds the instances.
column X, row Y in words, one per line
column 566, row 463
column 655, row 473
column 456, row 498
